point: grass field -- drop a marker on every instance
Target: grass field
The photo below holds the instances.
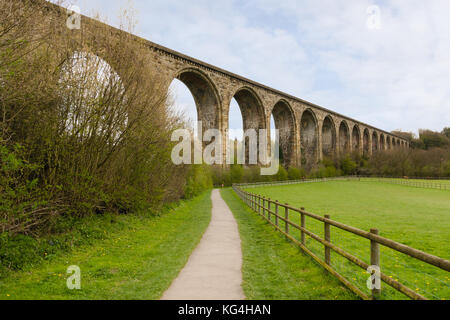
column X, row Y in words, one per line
column 138, row 259
column 275, row 269
column 443, row 181
column 417, row 217
column 418, row 183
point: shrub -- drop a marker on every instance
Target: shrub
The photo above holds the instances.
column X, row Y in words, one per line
column 348, row 166
column 282, row 174
column 294, row 173
column 199, row 179
column 236, row 173
column 88, row 143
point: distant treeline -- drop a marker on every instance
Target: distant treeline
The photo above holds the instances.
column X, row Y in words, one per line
column 427, row 139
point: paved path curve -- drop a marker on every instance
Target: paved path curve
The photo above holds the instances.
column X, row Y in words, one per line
column 214, row 270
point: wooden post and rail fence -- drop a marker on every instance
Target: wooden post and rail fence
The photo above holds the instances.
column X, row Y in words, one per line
column 443, row 184
column 264, row 206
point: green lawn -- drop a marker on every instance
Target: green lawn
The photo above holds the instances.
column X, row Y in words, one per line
column 417, row 217
column 419, row 183
column 136, row 261
column 275, row 269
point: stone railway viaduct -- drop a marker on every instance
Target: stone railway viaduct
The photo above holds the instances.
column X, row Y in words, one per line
column 308, row 132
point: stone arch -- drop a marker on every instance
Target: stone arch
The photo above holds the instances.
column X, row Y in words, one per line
column 99, row 52
column 284, row 118
column 206, row 97
column 82, row 103
column 253, row 115
column 328, row 137
column 374, row 141
column 252, row 110
column 398, row 142
column 356, row 138
column 382, row 142
column 366, row 142
column 309, row 138
column 394, row 143
column 388, row 143
column 344, row 137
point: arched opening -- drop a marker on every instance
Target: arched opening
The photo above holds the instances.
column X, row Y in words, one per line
column 356, row 137
column 388, row 143
column 366, row 142
column 308, row 139
column 328, row 138
column 382, row 142
column 374, row 142
column 94, row 101
column 206, row 99
column 235, row 128
column 344, row 138
column 253, row 117
column 398, row 142
column 183, row 103
column 394, row 143
column 284, row 122
column 251, row 109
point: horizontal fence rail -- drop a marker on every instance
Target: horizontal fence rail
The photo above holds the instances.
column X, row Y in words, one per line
column 443, row 184
column 270, row 209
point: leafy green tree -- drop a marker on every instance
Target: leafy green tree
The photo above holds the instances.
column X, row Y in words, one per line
column 348, row 166
column 433, row 139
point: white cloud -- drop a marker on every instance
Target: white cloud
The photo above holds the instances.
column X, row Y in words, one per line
column 321, row 51
column 394, row 78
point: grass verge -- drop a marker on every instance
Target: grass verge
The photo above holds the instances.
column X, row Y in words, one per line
column 137, row 258
column 275, row 269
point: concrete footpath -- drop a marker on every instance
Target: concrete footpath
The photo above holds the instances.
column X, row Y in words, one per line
column 214, row 270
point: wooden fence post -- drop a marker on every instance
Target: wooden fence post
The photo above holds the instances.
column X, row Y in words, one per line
column 253, row 202
column 303, row 225
column 268, row 207
column 327, row 230
column 276, row 213
column 264, row 206
column 286, row 216
column 375, row 261
column 259, row 204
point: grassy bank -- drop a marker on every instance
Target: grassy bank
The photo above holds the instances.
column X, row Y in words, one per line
column 273, row 268
column 417, row 217
column 137, row 258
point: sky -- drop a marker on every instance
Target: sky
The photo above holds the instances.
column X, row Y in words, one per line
column 385, row 63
